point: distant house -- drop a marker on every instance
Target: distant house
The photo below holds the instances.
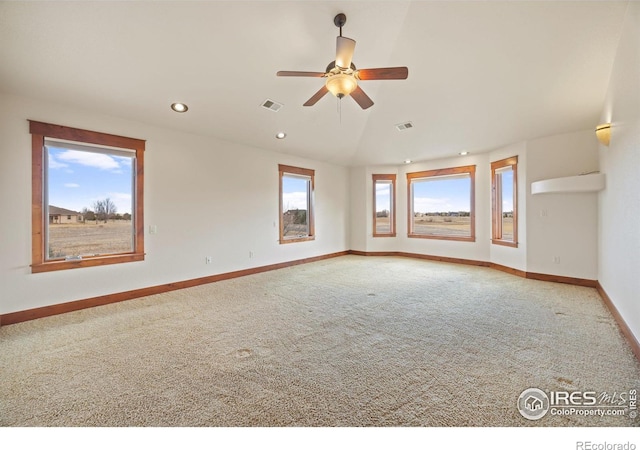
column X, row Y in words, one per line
column 61, row 215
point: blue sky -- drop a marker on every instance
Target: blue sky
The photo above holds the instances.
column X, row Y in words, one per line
column 507, row 191
column 294, row 193
column 383, row 193
column 442, row 195
column 77, row 179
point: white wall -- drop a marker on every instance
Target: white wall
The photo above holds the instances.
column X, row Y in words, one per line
column 619, row 206
column 206, row 197
column 358, row 207
column 563, row 225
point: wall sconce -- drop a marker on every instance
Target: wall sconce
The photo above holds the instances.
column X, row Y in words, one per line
column 603, row 133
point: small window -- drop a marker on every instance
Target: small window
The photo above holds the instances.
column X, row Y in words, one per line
column 384, row 205
column 296, row 204
column 504, row 202
column 442, row 204
column 87, row 198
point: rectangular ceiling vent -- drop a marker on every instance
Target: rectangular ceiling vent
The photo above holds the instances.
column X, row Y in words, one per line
column 272, row 105
column 404, row 126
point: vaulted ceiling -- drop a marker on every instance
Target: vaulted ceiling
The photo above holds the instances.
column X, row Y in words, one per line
column 481, row 74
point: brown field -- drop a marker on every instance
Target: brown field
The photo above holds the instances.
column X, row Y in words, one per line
column 295, row 230
column 90, row 239
column 442, row 226
column 436, row 225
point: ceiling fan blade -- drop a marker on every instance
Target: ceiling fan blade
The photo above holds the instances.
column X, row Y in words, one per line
column 385, row 73
column 361, row 98
column 344, row 51
column 289, row 73
column 317, row 96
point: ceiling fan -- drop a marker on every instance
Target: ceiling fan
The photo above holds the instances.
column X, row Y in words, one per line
column 342, row 75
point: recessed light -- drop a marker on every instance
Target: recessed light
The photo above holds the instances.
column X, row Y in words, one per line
column 407, row 161
column 179, row 107
column 281, row 135
column 463, row 153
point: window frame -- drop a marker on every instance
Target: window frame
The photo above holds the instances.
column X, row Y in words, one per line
column 285, row 169
column 392, row 214
column 496, row 202
column 39, row 131
column 412, row 176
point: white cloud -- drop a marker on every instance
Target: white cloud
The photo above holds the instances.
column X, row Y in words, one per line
column 72, row 185
column 55, row 164
column 426, row 204
column 89, row 159
column 294, row 200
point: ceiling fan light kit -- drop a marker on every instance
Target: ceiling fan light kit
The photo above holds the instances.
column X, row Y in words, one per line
column 342, row 75
column 341, row 84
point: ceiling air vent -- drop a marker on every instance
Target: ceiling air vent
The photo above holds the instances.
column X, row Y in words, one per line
column 404, row 126
column 272, row 105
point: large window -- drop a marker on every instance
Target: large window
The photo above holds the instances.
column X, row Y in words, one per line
column 504, row 205
column 87, row 198
column 442, row 204
column 384, row 205
column 296, row 204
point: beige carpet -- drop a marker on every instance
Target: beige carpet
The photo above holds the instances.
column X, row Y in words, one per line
column 349, row 341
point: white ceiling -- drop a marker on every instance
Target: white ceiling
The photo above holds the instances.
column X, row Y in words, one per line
column 481, row 74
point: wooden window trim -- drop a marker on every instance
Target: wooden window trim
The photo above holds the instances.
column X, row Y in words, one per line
column 39, row 131
column 284, row 169
column 471, row 170
column 496, row 199
column 392, row 219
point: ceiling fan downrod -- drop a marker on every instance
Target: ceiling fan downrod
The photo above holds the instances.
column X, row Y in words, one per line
column 339, row 21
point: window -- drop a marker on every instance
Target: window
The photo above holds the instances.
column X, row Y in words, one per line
column 296, row 204
column 87, row 198
column 384, row 205
column 504, row 205
column 442, row 204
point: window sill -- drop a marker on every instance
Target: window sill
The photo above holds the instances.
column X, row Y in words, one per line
column 384, row 235
column 443, row 238
column 51, row 266
column 504, row 243
column 297, row 239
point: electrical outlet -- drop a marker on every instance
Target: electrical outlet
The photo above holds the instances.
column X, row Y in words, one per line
column 250, row 255
column 153, row 229
column 208, row 260
column 556, row 259
column 543, row 213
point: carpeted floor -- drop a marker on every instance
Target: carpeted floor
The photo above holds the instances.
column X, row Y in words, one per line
column 349, row 341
